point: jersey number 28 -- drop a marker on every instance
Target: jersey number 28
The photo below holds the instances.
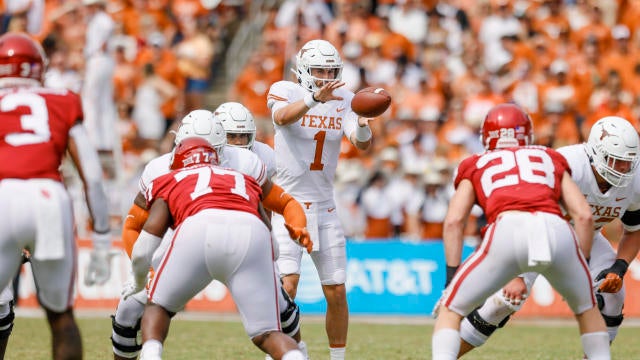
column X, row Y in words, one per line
column 533, row 166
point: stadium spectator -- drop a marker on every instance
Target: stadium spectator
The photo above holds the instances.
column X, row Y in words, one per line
column 37, row 211
column 247, row 272
column 376, row 204
column 97, row 89
column 506, row 248
column 151, row 93
column 306, row 170
column 195, row 53
column 602, row 180
column 426, row 210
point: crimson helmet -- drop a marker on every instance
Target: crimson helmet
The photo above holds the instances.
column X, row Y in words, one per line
column 193, row 151
column 506, row 125
column 21, row 57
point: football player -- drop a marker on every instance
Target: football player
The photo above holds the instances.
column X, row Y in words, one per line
column 200, row 123
column 39, row 126
column 520, row 188
column 219, row 234
column 605, row 169
column 310, row 117
column 240, row 127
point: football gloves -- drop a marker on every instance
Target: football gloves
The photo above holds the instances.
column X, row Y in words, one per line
column 610, row 280
column 300, row 236
column 99, row 269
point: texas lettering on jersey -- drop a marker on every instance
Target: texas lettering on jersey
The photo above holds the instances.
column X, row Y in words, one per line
column 321, row 122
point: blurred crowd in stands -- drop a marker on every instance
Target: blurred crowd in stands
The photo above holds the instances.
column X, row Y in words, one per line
column 445, row 63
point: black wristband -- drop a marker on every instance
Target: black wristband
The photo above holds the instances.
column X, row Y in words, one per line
column 451, row 272
column 619, row 267
column 313, row 96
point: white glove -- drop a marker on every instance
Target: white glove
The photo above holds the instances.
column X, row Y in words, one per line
column 99, row 269
column 132, row 287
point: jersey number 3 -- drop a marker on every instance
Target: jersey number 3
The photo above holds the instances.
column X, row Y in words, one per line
column 35, row 126
column 533, row 166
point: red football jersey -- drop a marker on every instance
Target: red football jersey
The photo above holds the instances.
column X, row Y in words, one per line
column 522, row 178
column 34, row 131
column 189, row 190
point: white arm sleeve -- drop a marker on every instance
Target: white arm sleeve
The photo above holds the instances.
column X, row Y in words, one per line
column 142, row 254
column 90, row 165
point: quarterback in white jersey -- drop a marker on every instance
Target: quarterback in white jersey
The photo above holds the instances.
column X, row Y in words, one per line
column 199, row 123
column 310, row 119
column 605, row 169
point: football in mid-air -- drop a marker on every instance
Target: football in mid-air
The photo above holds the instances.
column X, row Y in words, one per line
column 371, row 102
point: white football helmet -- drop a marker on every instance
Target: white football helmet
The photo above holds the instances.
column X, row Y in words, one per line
column 203, row 124
column 236, row 119
column 316, row 54
column 613, row 142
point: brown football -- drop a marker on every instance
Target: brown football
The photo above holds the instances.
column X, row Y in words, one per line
column 371, row 102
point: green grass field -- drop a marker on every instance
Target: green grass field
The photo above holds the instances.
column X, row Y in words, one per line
column 223, row 338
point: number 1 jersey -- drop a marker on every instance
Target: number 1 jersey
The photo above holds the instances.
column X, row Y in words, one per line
column 307, row 150
column 521, row 178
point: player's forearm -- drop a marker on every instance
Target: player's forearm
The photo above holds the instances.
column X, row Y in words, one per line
column 87, row 162
column 629, row 246
column 284, row 204
column 294, row 111
column 132, row 226
column 142, row 254
column 361, row 138
column 452, row 239
column 584, row 232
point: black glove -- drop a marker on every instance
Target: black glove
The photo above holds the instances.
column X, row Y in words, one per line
column 612, row 277
column 451, row 271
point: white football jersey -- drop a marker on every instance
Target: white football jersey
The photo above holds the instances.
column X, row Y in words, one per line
column 307, row 151
column 239, row 159
column 267, row 155
column 610, row 205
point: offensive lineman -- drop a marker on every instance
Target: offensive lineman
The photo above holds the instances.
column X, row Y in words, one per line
column 200, row 123
column 219, row 234
column 240, row 127
column 310, row 119
column 605, row 169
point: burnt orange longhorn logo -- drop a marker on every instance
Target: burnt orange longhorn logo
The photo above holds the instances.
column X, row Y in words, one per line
column 604, row 134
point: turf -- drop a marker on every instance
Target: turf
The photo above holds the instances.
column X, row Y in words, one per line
column 368, row 339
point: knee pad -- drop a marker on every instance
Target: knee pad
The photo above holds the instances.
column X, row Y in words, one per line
column 125, row 339
column 6, row 323
column 290, row 318
column 475, row 330
column 613, row 321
